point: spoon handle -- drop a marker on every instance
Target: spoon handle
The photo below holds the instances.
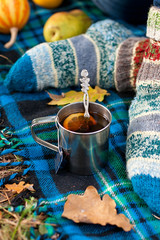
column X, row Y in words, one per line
column 85, row 87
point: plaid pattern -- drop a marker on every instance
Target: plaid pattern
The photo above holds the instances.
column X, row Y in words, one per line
column 17, row 111
column 53, row 189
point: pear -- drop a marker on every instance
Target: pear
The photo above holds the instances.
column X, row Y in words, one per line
column 63, row 25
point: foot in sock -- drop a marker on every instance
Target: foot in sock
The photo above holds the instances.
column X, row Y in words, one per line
column 60, row 63
column 143, row 141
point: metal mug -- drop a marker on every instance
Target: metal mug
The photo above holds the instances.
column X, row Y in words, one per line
column 88, row 152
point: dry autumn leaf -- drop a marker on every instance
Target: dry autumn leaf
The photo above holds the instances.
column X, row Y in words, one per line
column 17, row 188
column 73, row 96
column 90, row 208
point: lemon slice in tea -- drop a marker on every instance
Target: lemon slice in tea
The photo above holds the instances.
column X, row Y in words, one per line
column 77, row 122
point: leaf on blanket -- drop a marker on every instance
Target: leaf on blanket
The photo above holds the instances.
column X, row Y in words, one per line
column 73, row 96
column 90, row 208
column 17, row 188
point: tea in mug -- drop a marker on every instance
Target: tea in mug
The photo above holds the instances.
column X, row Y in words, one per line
column 78, row 123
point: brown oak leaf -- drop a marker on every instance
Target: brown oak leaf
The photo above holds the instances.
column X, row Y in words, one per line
column 90, row 208
column 17, row 188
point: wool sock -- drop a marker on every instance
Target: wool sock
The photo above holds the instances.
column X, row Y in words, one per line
column 143, row 141
column 129, row 56
column 59, row 64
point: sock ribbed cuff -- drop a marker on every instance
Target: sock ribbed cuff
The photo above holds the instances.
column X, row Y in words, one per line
column 150, row 68
column 129, row 57
column 153, row 23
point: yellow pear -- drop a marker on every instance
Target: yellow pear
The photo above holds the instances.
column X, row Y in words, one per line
column 63, row 25
column 48, row 3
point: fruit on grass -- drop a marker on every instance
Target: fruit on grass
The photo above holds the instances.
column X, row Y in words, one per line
column 77, row 122
column 63, row 25
column 48, row 3
column 14, row 14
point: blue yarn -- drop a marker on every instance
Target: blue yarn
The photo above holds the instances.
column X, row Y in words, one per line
column 148, row 189
column 21, row 76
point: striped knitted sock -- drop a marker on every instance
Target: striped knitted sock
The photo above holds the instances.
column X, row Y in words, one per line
column 129, row 56
column 143, row 142
column 59, row 64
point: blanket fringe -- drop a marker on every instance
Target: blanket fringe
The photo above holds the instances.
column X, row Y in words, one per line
column 12, row 176
column 53, row 229
column 7, row 140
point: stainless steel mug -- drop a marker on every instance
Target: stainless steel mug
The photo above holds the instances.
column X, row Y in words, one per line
column 88, row 152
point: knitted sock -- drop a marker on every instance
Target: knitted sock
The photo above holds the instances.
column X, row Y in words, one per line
column 129, row 56
column 143, row 142
column 60, row 63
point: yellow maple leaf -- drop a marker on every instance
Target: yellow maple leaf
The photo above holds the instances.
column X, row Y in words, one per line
column 17, row 188
column 73, row 96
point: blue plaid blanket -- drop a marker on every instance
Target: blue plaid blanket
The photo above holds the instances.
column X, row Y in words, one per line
column 17, row 110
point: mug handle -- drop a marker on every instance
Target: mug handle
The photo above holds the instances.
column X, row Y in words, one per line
column 39, row 121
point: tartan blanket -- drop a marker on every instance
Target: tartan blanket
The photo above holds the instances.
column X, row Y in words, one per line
column 17, row 110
